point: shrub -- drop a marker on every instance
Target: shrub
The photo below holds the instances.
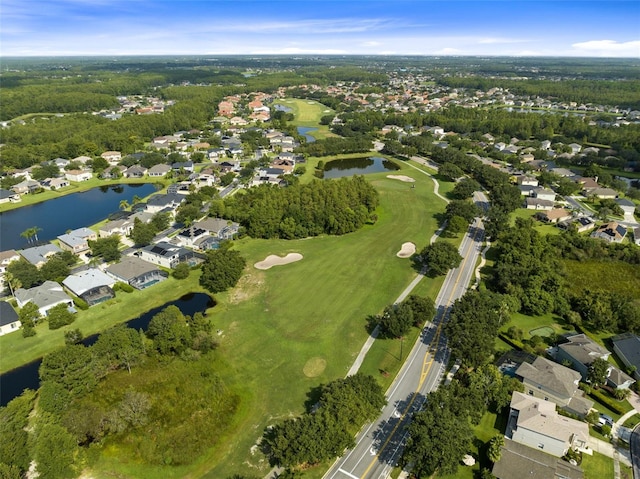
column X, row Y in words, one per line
column 81, row 304
column 120, row 286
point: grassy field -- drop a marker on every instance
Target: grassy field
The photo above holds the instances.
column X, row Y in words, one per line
column 581, row 274
column 308, row 113
column 17, row 350
column 541, row 227
column 313, row 312
column 597, row 466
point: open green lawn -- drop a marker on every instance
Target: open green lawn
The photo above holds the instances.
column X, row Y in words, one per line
column 597, row 466
column 530, row 325
column 278, row 322
column 308, row 113
column 17, row 350
column 541, row 227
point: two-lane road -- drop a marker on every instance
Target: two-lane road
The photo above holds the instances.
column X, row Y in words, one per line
column 379, row 445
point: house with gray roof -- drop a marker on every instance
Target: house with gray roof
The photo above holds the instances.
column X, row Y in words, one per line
column 46, row 296
column 159, row 170
column 580, row 351
column 39, row 255
column 7, row 196
column 553, row 382
column 169, row 255
column 77, row 241
column 162, row 202
column 92, row 285
column 9, row 321
column 136, row 272
column 518, row 461
column 535, row 423
column 627, row 347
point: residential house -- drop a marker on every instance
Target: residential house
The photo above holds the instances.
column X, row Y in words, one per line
column 113, row 173
column 524, row 180
column 39, row 255
column 112, row 157
column 46, row 296
column 582, row 224
column 553, row 216
column 538, row 204
column 81, row 159
column 627, row 348
column 26, row 186
column 6, row 258
column 544, row 194
column 121, row 227
column 553, row 382
column 581, row 351
column 92, row 285
column 563, row 172
column 535, row 423
column 136, row 272
column 612, row 232
column 7, row 196
column 135, row 171
column 602, row 193
column 160, row 170
column 219, row 228
column 78, row 175
column 215, row 154
column 545, row 144
column 9, row 321
column 166, row 202
column 55, row 183
column 575, row 148
column 518, row 461
column 628, row 207
column 186, row 166
column 77, row 241
column 169, row 255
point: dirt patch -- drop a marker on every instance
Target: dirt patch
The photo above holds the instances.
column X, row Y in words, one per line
column 408, row 249
column 249, row 286
column 406, row 179
column 273, row 260
column 314, row 367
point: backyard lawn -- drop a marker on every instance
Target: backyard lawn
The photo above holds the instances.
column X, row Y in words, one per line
column 597, row 466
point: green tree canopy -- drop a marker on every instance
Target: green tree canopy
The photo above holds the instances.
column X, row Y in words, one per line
column 221, row 270
column 440, row 257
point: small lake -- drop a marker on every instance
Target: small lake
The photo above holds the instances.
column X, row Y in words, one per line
column 279, row 107
column 358, row 166
column 13, row 382
column 57, row 216
column 305, row 130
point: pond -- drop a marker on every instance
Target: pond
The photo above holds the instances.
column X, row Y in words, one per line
column 279, row 107
column 57, row 216
column 13, row 382
column 358, row 166
column 305, row 130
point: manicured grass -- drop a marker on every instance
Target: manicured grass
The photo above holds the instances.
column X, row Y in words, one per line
column 17, row 350
column 278, row 321
column 541, row 227
column 308, row 113
column 632, row 421
column 529, row 324
column 597, row 466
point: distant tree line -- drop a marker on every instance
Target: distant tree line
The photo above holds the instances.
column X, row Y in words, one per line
column 320, row 207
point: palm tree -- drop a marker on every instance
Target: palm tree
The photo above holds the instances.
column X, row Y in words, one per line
column 136, row 199
column 124, row 204
column 13, row 282
column 30, row 233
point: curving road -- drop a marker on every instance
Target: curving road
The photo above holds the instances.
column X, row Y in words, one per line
column 379, row 445
column 634, row 445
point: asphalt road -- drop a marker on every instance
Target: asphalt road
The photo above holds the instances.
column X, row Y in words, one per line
column 634, row 445
column 379, row 445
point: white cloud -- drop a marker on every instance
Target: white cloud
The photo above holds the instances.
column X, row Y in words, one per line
column 299, row 51
column 608, row 48
column 370, row 44
column 486, row 41
column 448, row 51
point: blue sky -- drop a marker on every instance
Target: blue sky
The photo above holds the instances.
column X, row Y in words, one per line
column 600, row 28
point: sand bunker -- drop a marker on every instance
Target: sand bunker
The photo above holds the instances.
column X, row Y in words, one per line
column 273, row 260
column 407, row 250
column 406, row 179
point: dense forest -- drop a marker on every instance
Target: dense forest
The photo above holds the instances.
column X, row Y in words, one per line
column 331, row 207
